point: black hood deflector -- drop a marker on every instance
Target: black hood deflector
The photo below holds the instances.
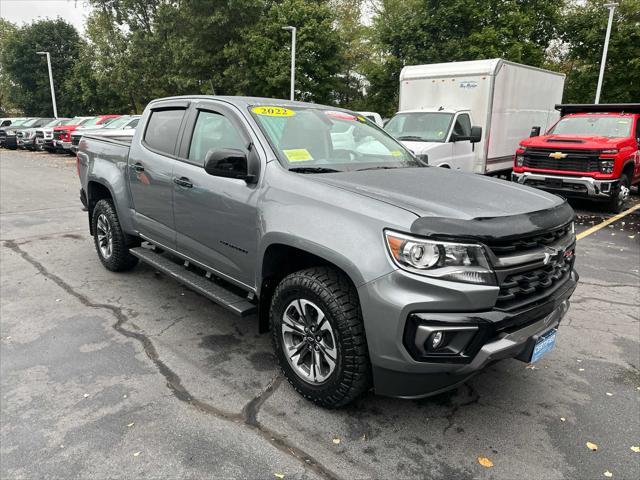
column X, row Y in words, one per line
column 495, row 228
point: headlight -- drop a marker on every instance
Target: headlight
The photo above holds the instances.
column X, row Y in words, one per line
column 458, row 262
column 606, row 166
column 519, row 160
column 11, row 132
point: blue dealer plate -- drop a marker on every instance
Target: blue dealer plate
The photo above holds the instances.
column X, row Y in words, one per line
column 543, row 345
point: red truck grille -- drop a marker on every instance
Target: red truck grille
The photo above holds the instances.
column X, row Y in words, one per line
column 58, row 135
column 575, row 160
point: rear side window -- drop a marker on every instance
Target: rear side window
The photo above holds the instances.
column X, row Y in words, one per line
column 162, row 130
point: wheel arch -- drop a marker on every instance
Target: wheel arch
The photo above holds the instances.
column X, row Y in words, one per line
column 96, row 191
column 281, row 258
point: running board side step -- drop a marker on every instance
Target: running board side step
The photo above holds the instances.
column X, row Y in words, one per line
column 200, row 284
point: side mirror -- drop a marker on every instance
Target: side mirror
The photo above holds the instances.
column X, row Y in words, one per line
column 229, row 163
column 535, row 132
column 476, row 134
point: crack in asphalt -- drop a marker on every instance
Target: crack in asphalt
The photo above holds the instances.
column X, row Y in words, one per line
column 580, row 300
column 475, row 398
column 249, row 413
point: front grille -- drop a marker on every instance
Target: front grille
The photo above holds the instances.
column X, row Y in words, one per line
column 75, row 139
column 537, row 283
column 575, row 161
column 528, row 243
column 40, row 134
column 3, row 133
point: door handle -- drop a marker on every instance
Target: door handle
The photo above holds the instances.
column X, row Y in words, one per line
column 183, row 182
column 137, row 167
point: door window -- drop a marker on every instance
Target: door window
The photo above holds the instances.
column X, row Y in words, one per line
column 462, row 127
column 162, row 130
column 213, row 131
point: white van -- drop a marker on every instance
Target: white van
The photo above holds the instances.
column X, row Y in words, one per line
column 440, row 104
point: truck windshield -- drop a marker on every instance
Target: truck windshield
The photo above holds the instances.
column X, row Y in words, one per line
column 316, row 140
column 30, row 123
column 119, row 122
column 597, row 125
column 90, row 122
column 420, row 126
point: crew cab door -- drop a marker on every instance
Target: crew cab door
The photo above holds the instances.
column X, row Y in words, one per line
column 150, row 173
column 215, row 217
column 462, row 151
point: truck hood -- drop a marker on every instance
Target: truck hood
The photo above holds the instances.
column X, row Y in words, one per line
column 420, row 148
column 586, row 142
column 440, row 192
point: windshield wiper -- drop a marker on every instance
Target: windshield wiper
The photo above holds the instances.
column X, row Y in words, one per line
column 412, row 138
column 313, row 170
column 375, row 168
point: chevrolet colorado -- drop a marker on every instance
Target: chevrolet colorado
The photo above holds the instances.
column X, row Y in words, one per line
column 369, row 268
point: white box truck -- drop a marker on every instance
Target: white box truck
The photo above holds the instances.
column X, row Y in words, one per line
column 440, row 103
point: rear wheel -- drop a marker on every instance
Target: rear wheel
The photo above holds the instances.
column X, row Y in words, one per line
column 319, row 338
column 617, row 202
column 112, row 244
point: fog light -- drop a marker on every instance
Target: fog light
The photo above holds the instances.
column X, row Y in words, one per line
column 606, row 166
column 436, row 339
column 519, row 160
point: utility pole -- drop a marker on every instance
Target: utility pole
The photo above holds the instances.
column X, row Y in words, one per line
column 293, row 58
column 53, row 92
column 611, row 7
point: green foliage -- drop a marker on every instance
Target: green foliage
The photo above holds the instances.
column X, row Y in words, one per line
column 29, row 78
column 410, row 32
column 583, row 29
column 137, row 50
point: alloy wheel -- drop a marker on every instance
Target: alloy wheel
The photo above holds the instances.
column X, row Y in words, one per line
column 105, row 236
column 308, row 341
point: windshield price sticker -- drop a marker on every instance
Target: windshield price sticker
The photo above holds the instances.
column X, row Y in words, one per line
column 396, row 153
column 270, row 111
column 298, row 155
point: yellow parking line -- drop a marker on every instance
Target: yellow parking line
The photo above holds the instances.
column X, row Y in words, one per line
column 595, row 228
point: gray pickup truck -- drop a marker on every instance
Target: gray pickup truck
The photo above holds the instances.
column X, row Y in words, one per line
column 369, row 268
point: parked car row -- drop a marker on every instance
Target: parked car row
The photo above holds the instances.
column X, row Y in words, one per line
column 62, row 134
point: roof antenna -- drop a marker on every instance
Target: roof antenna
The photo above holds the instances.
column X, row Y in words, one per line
column 441, row 108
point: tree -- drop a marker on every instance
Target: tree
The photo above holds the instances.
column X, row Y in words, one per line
column 7, row 105
column 583, row 31
column 258, row 63
column 430, row 31
column 29, row 78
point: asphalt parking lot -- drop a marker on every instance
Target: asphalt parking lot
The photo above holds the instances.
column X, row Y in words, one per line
column 131, row 375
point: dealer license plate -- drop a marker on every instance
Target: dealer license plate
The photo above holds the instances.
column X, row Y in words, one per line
column 544, row 344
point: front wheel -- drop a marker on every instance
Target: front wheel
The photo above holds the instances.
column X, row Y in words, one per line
column 318, row 335
column 617, row 202
column 112, row 244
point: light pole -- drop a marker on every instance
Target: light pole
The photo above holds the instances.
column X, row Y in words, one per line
column 293, row 58
column 611, row 7
column 53, row 92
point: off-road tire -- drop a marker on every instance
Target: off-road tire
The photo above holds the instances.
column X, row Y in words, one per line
column 334, row 293
column 120, row 258
column 616, row 204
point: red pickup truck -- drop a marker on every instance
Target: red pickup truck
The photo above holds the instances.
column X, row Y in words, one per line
column 592, row 151
column 62, row 134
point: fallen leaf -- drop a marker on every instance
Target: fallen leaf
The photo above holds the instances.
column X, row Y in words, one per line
column 278, row 475
column 86, row 395
column 124, row 396
column 579, row 361
column 592, row 446
column 58, row 299
column 336, row 440
column 485, row 462
column 562, row 419
column 635, row 449
column 609, row 394
column 608, row 474
column 531, row 367
column 581, row 369
column 130, row 424
column 137, row 454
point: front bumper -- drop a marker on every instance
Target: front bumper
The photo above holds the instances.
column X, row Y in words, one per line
column 11, row 141
column 569, row 186
column 398, row 372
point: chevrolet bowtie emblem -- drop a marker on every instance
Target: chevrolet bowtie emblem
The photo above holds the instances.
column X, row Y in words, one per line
column 558, row 155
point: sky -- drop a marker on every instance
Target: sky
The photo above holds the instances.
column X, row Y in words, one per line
column 25, row 11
